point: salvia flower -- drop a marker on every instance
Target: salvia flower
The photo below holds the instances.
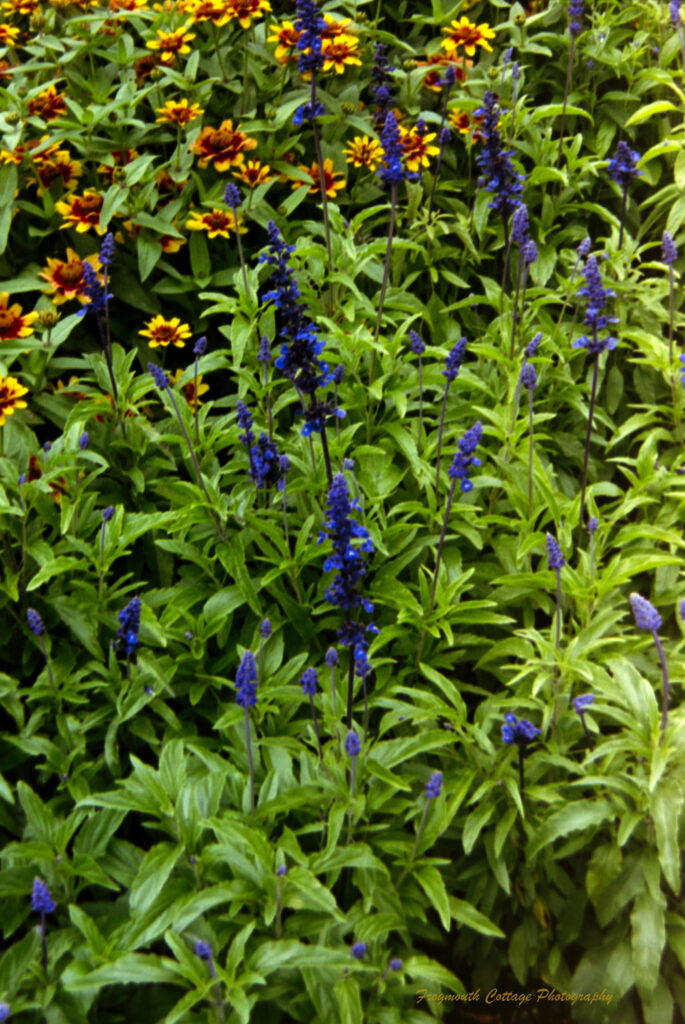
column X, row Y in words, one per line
column 623, row 165
column 309, row 681
column 380, row 80
column 391, row 171
column 596, row 297
column 129, row 627
column 434, row 786
column 358, row 950
column 106, row 251
column 203, row 950
column 519, row 225
column 94, row 292
column 246, row 681
column 592, row 525
column 554, row 556
column 464, row 459
column 306, row 112
column 200, row 347
column 264, row 353
column 533, row 345
column 417, row 345
column 352, row 744
column 265, row 629
column 396, row 964
column 310, row 24
column 581, row 703
column 5, row 1010
column 107, row 513
column 675, row 13
column 583, row 249
column 41, row 900
column 84, row 441
column 529, row 252
column 646, row 615
column 669, row 253
column 454, row 360
column 264, row 463
column 159, row 376
column 331, row 657
column 281, row 871
column 500, row 176
column 518, row 731
column 575, row 17
column 245, row 421
column 529, row 378
column 232, row 195
column 35, row 622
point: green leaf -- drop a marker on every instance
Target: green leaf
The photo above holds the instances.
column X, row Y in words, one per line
column 349, row 1001
column 666, row 805
column 430, row 880
column 55, row 567
column 574, row 817
column 649, row 111
column 155, row 868
column 647, row 938
column 466, row 913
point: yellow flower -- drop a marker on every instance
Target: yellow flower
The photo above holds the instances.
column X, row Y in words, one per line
column 14, row 323
column 217, row 223
column 223, row 145
column 188, row 388
column 48, row 104
column 166, row 332
column 336, row 27
column 11, row 392
column 246, row 10
column 82, row 212
column 329, row 176
column 364, row 151
column 338, row 52
column 171, row 43
column 178, row 112
column 253, row 173
column 467, row 34
column 8, row 37
column 65, row 277
column 416, row 148
column 216, row 11
column 286, row 35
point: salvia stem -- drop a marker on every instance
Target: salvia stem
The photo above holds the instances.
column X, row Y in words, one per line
column 322, row 183
column 386, row 274
column 366, row 709
column 670, row 315
column 557, row 637
column 440, row 432
column 217, row 992
column 623, row 216
column 316, row 727
column 269, row 410
column 41, row 641
column 420, row 404
column 588, row 735
column 590, row 416
column 43, row 942
column 250, row 763
column 350, row 689
column 592, row 559
column 196, row 464
column 278, row 908
column 522, row 779
column 515, row 313
column 241, row 255
column 197, row 406
column 334, row 695
column 440, row 544
column 326, row 454
column 217, row 50
column 530, row 452
column 101, row 579
column 353, row 780
column 664, row 674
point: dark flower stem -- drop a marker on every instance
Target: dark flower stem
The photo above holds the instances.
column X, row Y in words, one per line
column 278, row 908
column 241, row 255
column 438, row 163
column 623, row 216
column 592, row 559
column 366, row 709
column 334, row 695
column 217, row 992
column 420, row 404
column 44, row 942
column 590, row 416
column 268, row 403
column 316, row 727
column 522, row 759
column 440, row 544
column 41, row 641
column 101, row 573
column 664, row 673
column 440, row 432
column 386, row 274
column 588, row 736
column 515, row 317
column 353, row 781
column 567, row 89
column 557, row 637
column 671, row 304
column 217, row 50
column 197, row 407
column 350, row 690
column 326, row 453
column 196, row 464
column 322, row 176
column 530, row 452
column 507, row 255
column 248, row 744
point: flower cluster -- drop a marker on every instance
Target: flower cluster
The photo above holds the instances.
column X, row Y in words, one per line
column 500, row 176
column 596, row 297
column 554, row 556
column 391, row 171
column 246, row 681
column 623, row 165
column 129, row 627
column 521, row 732
column 464, row 459
column 646, row 615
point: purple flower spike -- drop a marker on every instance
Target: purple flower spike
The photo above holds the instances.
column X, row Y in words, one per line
column 203, row 950
column 554, row 555
column 41, row 900
column 35, row 622
column 646, row 615
column 358, row 950
column 434, row 786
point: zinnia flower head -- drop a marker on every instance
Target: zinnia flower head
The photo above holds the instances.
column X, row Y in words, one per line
column 41, row 900
column 646, row 615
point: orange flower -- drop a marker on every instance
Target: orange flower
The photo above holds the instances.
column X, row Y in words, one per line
column 144, row 66
column 286, row 35
column 11, row 392
column 65, row 277
column 127, row 5
column 217, row 11
column 217, row 223
column 120, row 159
column 57, row 487
column 329, row 176
column 14, row 323
column 460, row 120
column 254, row 173
column 188, row 389
column 467, row 34
column 166, row 332
column 417, row 149
column 335, row 27
column 171, row 43
column 339, row 52
column 222, row 145
column 54, row 165
column 440, row 61
column 364, row 151
column 48, row 104
column 246, row 10
column 178, row 112
column 82, row 212
column 20, row 6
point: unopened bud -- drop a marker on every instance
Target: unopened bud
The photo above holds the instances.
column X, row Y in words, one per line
column 156, row 74
column 408, row 64
column 348, row 108
column 270, row 113
column 519, row 19
column 12, row 117
column 47, row 319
